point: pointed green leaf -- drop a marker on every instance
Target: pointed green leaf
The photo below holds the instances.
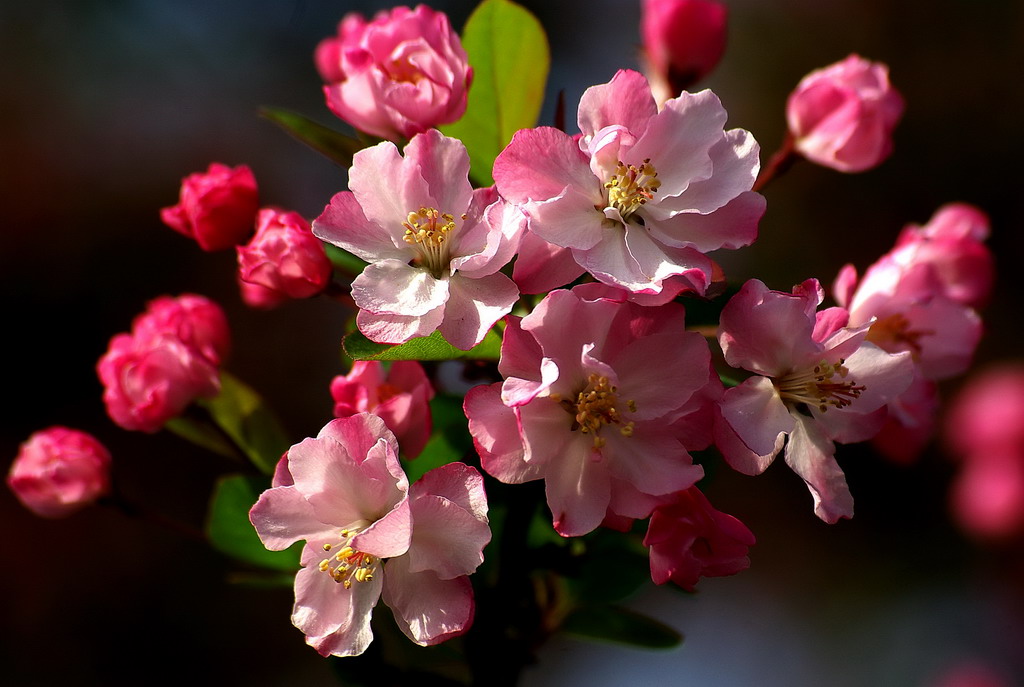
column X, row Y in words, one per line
column 509, row 53
column 230, row 531
column 247, row 420
column 326, row 141
column 433, row 347
column 622, row 626
column 343, row 260
column 202, row 434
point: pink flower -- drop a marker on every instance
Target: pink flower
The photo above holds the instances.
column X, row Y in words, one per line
column 369, row 534
column 169, row 359
column 683, row 41
column 842, row 116
column 58, row 471
column 398, row 75
column 952, row 243
column 689, row 539
column 217, row 208
column 284, row 257
column 433, row 243
column 985, row 428
column 816, row 381
column 643, row 194
column 592, row 389
column 400, row 397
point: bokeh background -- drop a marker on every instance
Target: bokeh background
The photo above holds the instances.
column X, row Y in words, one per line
column 107, row 104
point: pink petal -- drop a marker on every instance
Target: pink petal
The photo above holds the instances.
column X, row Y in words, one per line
column 578, row 488
column 496, row 436
column 396, row 329
column 735, row 162
column 444, row 165
column 427, row 609
column 625, row 100
column 541, row 163
column 733, row 225
column 282, row 516
column 474, row 305
column 343, row 224
column 392, row 287
column 387, row 186
column 448, row 539
column 543, row 266
column 757, row 415
column 812, row 456
column 661, row 389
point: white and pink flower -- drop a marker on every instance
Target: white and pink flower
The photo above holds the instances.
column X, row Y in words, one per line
column 816, row 382
column 593, row 389
column 642, row 195
column 433, row 243
column 370, row 535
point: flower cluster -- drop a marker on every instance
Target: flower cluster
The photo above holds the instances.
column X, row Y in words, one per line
column 584, row 259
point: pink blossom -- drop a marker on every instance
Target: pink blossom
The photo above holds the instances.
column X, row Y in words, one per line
column 643, row 194
column 284, row 257
column 398, row 75
column 952, row 243
column 369, row 535
column 842, row 116
column 816, row 381
column 433, row 243
column 399, row 396
column 58, row 471
column 217, row 208
column 690, row 539
column 985, row 428
column 168, row 360
column 256, row 296
column 593, row 386
column 683, row 41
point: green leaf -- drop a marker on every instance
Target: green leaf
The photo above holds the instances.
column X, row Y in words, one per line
column 450, row 439
column 509, row 53
column 230, row 531
column 244, row 417
column 333, row 144
column 433, row 347
column 202, row 434
column 622, row 626
column 592, row 584
column 343, row 260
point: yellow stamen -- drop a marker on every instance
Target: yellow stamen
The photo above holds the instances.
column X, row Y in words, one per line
column 427, row 230
column 631, row 187
column 819, row 387
column 595, row 407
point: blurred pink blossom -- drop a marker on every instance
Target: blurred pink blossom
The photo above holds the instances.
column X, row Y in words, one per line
column 216, row 208
column 169, row 359
column 370, row 535
column 398, row 75
column 58, row 471
column 400, row 397
column 435, row 245
column 689, row 539
column 593, row 386
column 642, row 195
column 683, row 40
column 284, row 258
column 842, row 116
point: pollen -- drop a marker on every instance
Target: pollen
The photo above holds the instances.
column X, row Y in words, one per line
column 597, row 405
column 824, row 386
column 429, row 232
column 348, row 565
column 631, row 187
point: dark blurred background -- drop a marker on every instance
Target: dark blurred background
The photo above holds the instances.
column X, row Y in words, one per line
column 107, row 104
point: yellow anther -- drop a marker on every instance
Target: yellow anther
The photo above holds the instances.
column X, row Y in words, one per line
column 631, row 187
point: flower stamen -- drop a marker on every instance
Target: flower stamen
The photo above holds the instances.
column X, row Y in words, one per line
column 348, row 564
column 596, row 406
column 631, row 187
column 820, row 387
column 428, row 230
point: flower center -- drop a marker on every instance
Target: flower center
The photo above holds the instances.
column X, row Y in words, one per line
column 820, row 386
column 594, row 407
column 427, row 231
column 386, row 392
column 894, row 332
column 630, row 187
column 347, row 564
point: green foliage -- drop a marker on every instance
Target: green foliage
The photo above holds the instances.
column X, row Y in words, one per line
column 622, row 626
column 433, row 347
column 229, row 530
column 450, row 439
column 343, row 260
column 326, row 141
column 509, row 53
column 243, row 416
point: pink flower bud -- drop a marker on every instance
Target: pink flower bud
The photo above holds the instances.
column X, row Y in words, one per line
column 400, row 397
column 842, row 116
column 169, row 359
column 398, row 75
column 58, row 471
column 217, row 208
column 284, row 258
column 683, row 41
